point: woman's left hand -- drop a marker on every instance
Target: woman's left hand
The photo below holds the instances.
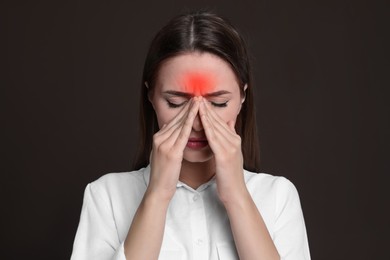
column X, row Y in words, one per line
column 250, row 233
column 226, row 146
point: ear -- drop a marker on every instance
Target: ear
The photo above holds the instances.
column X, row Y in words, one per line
column 148, row 91
column 243, row 98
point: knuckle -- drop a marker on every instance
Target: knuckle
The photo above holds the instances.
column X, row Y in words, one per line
column 156, row 138
column 233, row 151
column 163, row 148
column 237, row 141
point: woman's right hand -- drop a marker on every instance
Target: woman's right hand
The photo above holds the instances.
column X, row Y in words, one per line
column 146, row 232
column 168, row 149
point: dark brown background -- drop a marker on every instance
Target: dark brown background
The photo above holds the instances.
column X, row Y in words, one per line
column 70, row 80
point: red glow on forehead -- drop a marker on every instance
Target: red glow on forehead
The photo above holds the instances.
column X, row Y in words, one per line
column 198, row 83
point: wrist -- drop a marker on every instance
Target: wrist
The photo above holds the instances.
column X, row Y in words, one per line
column 158, row 196
column 236, row 199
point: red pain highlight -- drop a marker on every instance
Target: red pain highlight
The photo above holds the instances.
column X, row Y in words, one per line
column 198, row 83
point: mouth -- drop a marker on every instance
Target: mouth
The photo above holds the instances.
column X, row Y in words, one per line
column 197, row 143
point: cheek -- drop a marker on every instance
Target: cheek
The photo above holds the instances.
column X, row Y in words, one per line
column 227, row 114
column 164, row 114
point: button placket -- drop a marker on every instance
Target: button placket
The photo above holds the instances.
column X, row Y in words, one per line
column 199, row 228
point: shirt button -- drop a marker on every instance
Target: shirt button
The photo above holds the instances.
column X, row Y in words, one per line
column 195, row 198
column 199, row 242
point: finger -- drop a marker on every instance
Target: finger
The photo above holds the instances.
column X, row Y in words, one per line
column 222, row 140
column 224, row 137
column 211, row 134
column 185, row 123
column 220, row 127
column 176, row 120
column 180, row 115
column 185, row 132
column 170, row 137
column 215, row 118
column 166, row 131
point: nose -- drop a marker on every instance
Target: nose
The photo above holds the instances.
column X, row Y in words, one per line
column 197, row 126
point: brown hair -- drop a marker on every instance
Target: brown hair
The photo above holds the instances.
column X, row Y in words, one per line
column 199, row 32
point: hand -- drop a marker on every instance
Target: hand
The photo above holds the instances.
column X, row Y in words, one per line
column 226, row 146
column 167, row 151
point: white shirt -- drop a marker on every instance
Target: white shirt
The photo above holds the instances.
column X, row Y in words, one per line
column 197, row 226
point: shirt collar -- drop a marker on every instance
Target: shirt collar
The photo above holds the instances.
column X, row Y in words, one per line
column 146, row 175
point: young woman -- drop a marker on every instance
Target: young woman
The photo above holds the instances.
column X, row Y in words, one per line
column 194, row 194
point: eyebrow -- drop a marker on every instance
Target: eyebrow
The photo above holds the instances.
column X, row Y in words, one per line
column 189, row 95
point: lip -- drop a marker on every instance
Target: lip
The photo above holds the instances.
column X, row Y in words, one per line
column 197, row 143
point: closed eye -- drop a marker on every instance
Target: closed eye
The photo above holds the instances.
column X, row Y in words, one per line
column 175, row 105
column 224, row 104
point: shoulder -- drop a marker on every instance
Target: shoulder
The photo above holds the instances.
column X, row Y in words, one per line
column 262, row 185
column 275, row 196
column 119, row 183
column 267, row 181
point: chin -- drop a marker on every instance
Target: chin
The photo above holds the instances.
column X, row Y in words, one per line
column 197, row 156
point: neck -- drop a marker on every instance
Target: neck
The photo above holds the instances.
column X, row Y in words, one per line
column 195, row 174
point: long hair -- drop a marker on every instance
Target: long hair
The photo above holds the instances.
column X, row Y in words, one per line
column 199, row 32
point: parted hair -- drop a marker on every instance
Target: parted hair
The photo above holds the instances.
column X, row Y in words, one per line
column 202, row 32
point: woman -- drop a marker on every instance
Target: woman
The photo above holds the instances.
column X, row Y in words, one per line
column 194, row 196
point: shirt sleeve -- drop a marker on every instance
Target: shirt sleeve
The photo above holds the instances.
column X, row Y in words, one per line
column 97, row 236
column 290, row 235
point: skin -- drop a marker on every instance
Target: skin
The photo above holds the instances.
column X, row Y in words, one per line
column 221, row 80
column 205, row 110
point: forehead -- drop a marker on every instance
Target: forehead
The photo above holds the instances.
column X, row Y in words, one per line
column 196, row 73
